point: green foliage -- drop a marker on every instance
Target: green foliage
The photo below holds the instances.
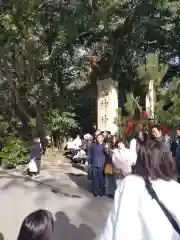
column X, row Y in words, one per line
column 132, row 103
column 120, row 121
column 169, row 97
column 62, row 121
column 14, row 151
column 152, row 70
column 3, row 128
column 51, row 49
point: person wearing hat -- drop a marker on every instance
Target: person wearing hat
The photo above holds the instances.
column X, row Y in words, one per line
column 86, row 144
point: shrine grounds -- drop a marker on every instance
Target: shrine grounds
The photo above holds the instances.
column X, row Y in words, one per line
column 64, row 191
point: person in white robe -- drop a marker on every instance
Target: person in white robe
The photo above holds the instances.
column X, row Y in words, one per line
column 135, row 215
column 70, row 144
column 77, row 142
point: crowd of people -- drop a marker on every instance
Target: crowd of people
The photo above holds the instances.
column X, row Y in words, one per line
column 111, row 158
column 146, row 203
column 117, row 157
column 141, row 176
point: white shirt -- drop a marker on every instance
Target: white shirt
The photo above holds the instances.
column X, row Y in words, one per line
column 70, row 145
column 136, row 216
column 123, row 159
column 77, row 142
column 133, row 144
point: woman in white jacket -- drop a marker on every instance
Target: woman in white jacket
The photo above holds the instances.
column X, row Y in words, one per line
column 122, row 158
column 147, row 204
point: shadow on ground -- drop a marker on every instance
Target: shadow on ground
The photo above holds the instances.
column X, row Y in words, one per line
column 80, row 180
column 49, row 183
column 79, row 166
column 64, row 229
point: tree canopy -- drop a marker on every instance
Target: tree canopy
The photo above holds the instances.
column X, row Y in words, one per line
column 53, row 52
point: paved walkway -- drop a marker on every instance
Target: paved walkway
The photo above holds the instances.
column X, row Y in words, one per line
column 64, row 191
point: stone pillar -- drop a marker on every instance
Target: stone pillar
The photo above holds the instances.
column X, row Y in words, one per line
column 150, row 100
column 107, row 105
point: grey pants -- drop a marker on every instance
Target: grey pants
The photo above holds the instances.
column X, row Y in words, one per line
column 110, row 183
column 38, row 164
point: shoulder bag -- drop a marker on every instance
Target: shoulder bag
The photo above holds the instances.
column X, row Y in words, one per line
column 169, row 216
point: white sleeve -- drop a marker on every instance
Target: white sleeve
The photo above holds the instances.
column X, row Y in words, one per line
column 123, row 221
column 133, row 152
column 115, row 159
column 133, row 145
column 132, row 157
column 119, row 158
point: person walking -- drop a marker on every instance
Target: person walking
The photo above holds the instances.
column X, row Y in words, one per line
column 97, row 161
column 146, row 203
column 36, row 152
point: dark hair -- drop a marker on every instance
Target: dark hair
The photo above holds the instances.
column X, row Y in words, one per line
column 99, row 134
column 37, row 226
column 119, row 140
column 154, row 160
column 157, row 126
column 109, row 142
column 145, row 138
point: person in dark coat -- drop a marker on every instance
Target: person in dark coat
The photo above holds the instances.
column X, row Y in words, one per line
column 36, row 152
column 110, row 181
column 175, row 150
column 97, row 161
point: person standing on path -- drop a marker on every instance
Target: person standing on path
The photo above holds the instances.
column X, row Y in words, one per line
column 97, row 161
column 123, row 159
column 110, row 183
column 146, row 203
column 36, row 152
column 175, row 149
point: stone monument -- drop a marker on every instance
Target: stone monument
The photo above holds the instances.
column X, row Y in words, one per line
column 150, row 100
column 107, row 104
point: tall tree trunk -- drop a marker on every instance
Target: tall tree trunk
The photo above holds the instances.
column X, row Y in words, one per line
column 13, row 87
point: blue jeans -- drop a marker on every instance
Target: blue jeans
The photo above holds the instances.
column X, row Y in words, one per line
column 98, row 182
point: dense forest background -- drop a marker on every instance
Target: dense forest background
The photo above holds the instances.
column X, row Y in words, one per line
column 53, row 52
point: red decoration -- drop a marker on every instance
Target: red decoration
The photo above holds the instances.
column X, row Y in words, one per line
column 166, row 129
column 129, row 127
column 145, row 115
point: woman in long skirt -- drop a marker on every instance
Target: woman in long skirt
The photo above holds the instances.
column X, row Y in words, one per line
column 110, row 181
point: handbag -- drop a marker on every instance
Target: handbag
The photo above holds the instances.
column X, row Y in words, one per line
column 32, row 166
column 169, row 216
column 108, row 169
